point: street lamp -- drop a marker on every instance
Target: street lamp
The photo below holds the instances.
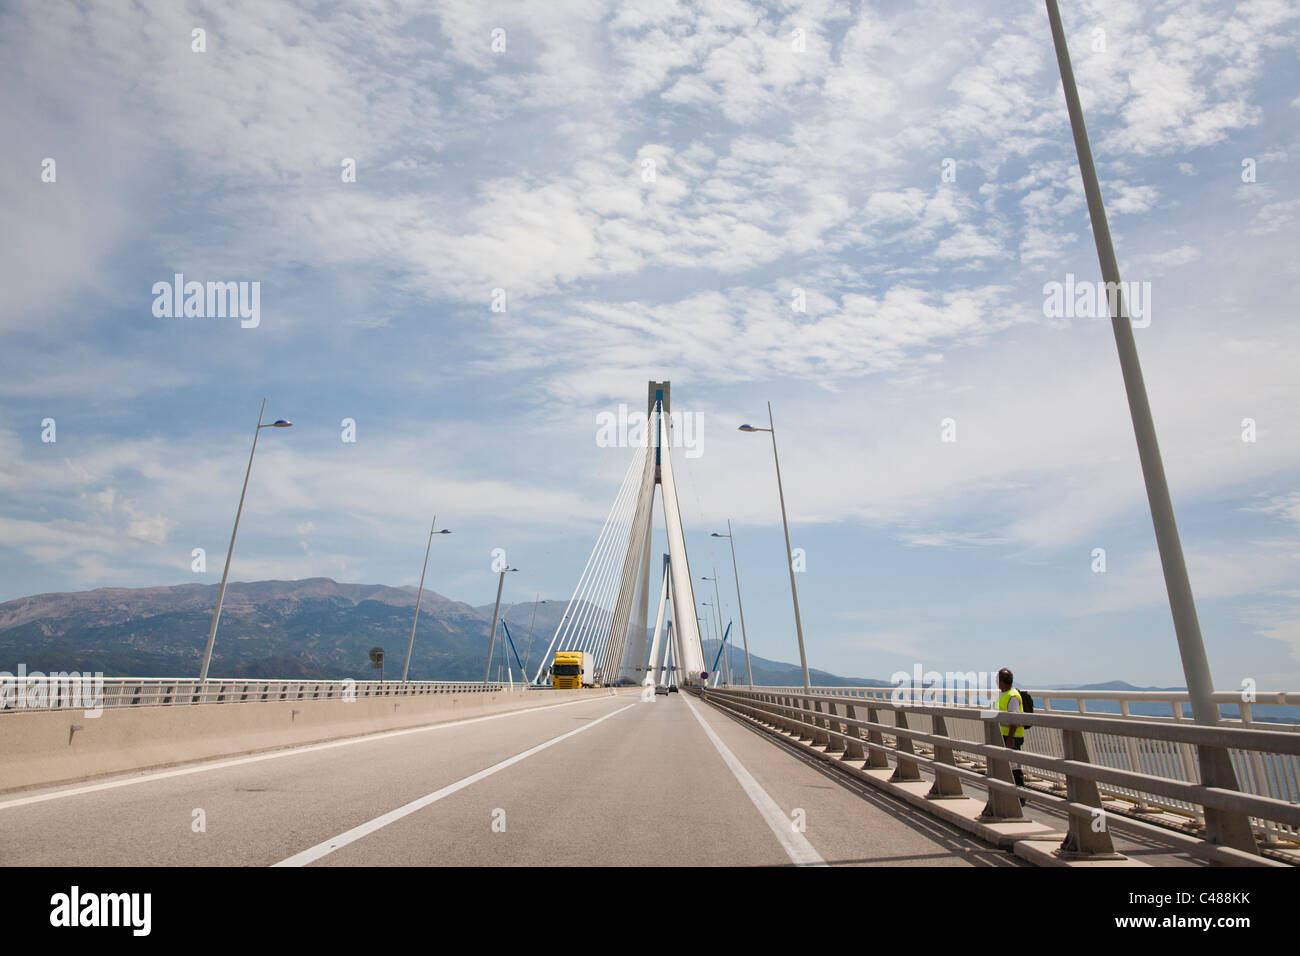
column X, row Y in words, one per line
column 221, row 594
column 504, row 655
column 1217, row 771
column 528, row 654
column 496, row 614
column 420, row 594
column 789, row 557
column 745, row 636
column 717, row 608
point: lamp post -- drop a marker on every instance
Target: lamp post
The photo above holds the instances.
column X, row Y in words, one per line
column 506, row 657
column 748, row 667
column 717, row 609
column 420, row 594
column 1232, row 828
column 528, row 654
column 705, row 631
column 496, row 615
column 789, row 557
column 221, row 593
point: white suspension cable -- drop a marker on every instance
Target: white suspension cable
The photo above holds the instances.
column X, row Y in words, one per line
column 580, row 639
column 598, row 620
column 607, row 641
column 565, row 622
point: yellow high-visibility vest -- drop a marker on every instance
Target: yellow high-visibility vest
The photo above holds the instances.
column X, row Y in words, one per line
column 1002, row 705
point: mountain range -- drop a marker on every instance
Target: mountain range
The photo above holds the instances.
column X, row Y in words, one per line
column 321, row 629
column 316, row 628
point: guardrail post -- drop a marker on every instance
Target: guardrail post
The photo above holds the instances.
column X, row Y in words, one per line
column 822, row 724
column 877, row 759
column 906, row 769
column 1085, row 838
column 1002, row 805
column 782, row 718
column 804, row 718
column 947, row 785
column 1135, row 764
column 773, row 703
column 853, row 743
column 784, row 722
column 1258, row 777
column 1185, row 761
column 1226, row 827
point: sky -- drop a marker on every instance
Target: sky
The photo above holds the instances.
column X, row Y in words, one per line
column 476, row 227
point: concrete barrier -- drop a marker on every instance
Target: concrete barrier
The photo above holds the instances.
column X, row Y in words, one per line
column 42, row 748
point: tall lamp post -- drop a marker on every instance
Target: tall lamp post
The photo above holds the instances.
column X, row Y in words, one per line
column 789, row 557
column 221, row 594
column 706, row 629
column 706, row 621
column 1229, row 827
column 496, row 616
column 748, row 667
column 528, row 654
column 717, row 608
column 420, row 594
column 506, row 657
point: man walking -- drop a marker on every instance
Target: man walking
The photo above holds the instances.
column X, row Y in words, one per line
column 1013, row 735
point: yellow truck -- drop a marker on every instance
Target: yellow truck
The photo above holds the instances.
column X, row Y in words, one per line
column 571, row 670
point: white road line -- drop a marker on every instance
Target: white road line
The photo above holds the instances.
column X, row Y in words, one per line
column 289, row 752
column 795, row 844
column 392, row 816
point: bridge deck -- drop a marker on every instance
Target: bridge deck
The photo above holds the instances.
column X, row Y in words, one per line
column 633, row 784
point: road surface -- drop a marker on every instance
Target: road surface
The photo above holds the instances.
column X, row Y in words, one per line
column 611, row 781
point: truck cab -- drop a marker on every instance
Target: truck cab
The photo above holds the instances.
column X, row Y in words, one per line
column 572, row 670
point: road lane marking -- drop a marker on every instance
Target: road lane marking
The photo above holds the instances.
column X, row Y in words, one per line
column 795, row 844
column 356, row 833
column 148, row 777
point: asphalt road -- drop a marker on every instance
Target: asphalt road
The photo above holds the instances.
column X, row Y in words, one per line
column 611, row 781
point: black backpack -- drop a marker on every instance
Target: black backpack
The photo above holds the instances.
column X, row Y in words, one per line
column 1026, row 702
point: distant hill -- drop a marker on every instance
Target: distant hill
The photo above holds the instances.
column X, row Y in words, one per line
column 316, row 628
column 780, row 674
column 321, row 629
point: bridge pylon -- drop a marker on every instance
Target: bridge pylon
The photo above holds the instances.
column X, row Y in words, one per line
column 616, row 637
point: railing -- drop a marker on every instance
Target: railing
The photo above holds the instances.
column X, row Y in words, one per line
column 89, row 692
column 1236, row 709
column 1271, row 775
column 1151, row 761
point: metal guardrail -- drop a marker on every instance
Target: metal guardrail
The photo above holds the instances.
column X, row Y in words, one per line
column 957, row 743
column 1044, row 700
column 88, row 692
column 1272, row 775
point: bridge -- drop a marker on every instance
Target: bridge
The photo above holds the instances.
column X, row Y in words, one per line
column 155, row 771
column 659, row 761
column 650, row 740
column 326, row 773
column 279, row 773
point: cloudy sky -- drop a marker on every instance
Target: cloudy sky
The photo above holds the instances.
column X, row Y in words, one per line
column 850, row 209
